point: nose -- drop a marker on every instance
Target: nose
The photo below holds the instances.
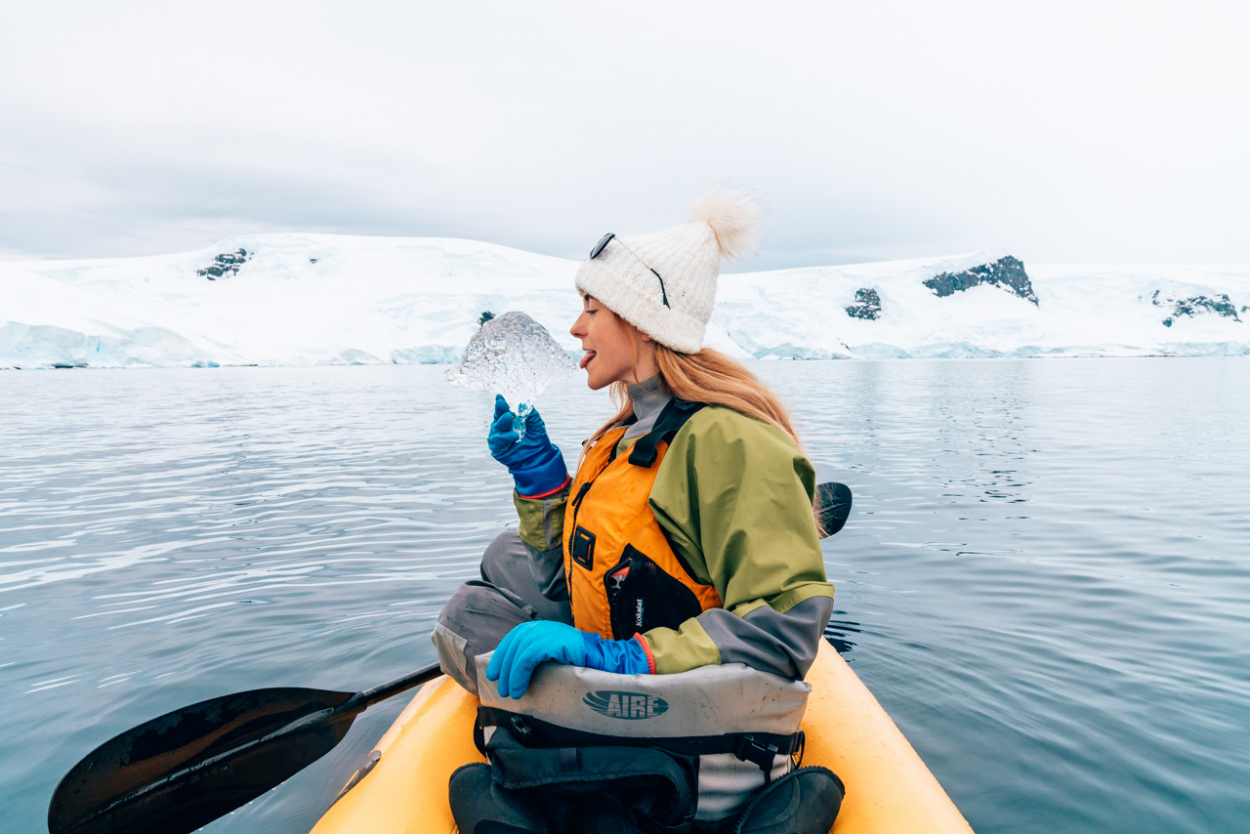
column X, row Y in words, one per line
column 578, row 330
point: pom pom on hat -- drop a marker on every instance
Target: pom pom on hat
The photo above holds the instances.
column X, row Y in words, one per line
column 665, row 283
column 734, row 217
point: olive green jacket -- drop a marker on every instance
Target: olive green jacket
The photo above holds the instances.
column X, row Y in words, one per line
column 734, row 496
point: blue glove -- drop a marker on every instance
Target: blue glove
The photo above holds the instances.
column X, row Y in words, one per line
column 529, row 644
column 536, row 464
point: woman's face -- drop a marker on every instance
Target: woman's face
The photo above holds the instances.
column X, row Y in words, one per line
column 606, row 340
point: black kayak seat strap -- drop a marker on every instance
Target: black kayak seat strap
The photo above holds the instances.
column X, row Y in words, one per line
column 761, row 749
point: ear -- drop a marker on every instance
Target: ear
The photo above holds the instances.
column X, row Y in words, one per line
column 634, row 331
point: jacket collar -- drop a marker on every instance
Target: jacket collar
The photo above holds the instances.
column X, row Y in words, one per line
column 648, row 398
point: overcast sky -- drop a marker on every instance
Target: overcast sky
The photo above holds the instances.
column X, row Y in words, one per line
column 1095, row 132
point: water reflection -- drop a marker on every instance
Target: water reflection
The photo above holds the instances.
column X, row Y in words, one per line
column 838, row 630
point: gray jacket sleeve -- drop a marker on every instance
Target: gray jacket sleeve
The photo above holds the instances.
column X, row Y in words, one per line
column 784, row 644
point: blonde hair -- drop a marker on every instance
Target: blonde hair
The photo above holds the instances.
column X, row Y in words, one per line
column 707, row 377
column 710, row 377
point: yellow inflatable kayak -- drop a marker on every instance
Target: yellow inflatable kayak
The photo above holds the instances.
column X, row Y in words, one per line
column 888, row 788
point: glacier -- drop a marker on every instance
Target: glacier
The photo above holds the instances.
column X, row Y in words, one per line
column 307, row 299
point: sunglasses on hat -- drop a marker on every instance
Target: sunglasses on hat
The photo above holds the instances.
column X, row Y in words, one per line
column 603, row 244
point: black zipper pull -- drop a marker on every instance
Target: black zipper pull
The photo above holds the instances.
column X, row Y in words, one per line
column 577, row 501
column 577, row 505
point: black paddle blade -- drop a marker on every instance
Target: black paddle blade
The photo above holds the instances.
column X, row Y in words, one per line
column 179, row 772
column 833, row 507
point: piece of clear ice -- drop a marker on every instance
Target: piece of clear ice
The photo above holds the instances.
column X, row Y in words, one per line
column 515, row 356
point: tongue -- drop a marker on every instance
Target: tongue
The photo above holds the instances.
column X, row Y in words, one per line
column 586, row 359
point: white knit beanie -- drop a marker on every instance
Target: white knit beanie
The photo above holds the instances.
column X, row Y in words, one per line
column 686, row 259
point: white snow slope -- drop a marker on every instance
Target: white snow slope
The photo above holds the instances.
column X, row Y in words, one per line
column 303, row 299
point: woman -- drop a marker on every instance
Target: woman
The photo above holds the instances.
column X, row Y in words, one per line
column 686, row 538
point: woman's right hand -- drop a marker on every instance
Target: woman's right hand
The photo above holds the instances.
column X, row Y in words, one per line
column 535, row 462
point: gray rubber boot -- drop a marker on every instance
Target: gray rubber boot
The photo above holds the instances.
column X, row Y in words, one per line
column 480, row 806
column 804, row 801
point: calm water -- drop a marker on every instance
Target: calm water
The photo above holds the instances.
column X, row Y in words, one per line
column 1046, row 580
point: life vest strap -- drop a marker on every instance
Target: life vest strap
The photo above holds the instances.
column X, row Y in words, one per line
column 670, row 421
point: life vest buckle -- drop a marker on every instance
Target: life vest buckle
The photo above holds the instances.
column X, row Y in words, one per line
column 762, row 755
column 521, row 728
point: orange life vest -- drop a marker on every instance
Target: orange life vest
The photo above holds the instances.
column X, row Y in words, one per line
column 623, row 575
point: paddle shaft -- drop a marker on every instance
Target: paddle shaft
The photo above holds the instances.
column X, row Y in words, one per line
column 369, row 697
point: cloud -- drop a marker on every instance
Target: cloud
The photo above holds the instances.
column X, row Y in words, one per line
column 1065, row 132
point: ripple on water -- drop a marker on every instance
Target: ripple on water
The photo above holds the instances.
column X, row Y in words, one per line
column 1043, row 580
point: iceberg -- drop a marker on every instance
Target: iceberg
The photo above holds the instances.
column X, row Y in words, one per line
column 515, row 356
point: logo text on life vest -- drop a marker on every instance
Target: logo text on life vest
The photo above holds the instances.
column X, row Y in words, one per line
column 628, row 705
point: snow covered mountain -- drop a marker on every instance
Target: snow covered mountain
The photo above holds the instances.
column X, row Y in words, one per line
column 297, row 299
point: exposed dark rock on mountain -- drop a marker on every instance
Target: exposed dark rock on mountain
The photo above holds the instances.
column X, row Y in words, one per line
column 867, row 305
column 227, row 263
column 1196, row 304
column 1006, row 272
